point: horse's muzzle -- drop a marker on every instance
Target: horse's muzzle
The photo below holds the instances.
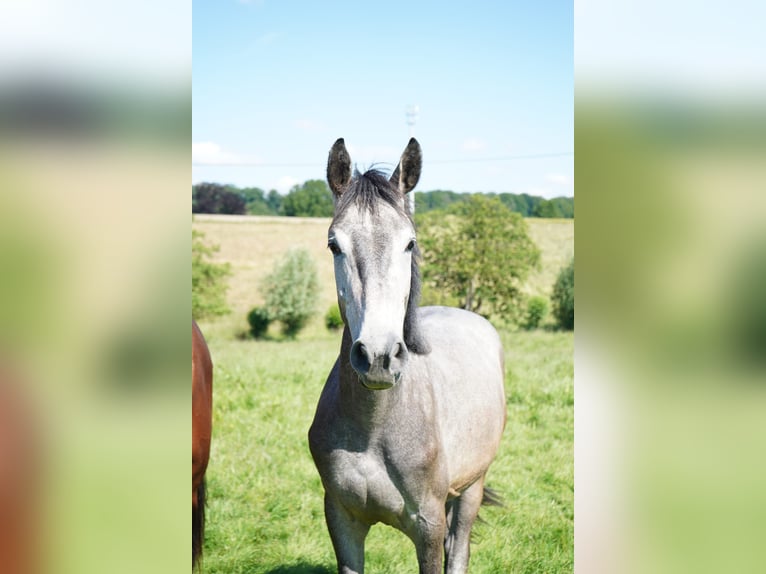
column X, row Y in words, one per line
column 379, row 370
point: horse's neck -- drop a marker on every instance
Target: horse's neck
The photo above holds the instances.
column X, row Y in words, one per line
column 366, row 407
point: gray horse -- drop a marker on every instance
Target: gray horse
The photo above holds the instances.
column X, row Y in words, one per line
column 412, row 413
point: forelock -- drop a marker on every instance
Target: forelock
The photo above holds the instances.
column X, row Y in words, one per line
column 367, row 190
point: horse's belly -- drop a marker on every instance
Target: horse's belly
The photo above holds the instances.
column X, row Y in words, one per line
column 471, row 431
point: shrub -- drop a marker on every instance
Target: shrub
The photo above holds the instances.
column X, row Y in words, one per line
column 290, row 291
column 479, row 252
column 537, row 310
column 259, row 321
column 208, row 280
column 332, row 319
column 563, row 297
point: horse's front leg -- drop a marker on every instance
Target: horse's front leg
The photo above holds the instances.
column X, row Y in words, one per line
column 428, row 533
column 347, row 535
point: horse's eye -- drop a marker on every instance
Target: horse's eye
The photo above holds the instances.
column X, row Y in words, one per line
column 334, row 247
column 410, row 245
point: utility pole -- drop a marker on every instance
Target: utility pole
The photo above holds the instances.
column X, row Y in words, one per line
column 411, row 113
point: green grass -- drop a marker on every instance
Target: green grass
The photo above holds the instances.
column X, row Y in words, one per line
column 265, row 497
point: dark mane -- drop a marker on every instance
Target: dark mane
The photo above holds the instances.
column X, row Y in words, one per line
column 366, row 190
column 413, row 337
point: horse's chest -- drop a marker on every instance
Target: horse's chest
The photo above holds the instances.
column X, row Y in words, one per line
column 364, row 484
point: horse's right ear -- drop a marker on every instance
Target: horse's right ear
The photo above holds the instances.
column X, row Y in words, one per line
column 407, row 173
column 338, row 167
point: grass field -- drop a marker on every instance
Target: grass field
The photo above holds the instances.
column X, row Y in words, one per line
column 265, row 497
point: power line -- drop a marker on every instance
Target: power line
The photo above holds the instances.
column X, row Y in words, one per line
column 502, row 158
column 425, row 160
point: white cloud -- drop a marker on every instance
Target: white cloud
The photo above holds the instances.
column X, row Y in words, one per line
column 210, row 153
column 558, row 179
column 474, row 144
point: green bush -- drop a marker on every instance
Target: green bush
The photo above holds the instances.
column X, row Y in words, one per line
column 208, row 280
column 259, row 321
column 563, row 297
column 332, row 320
column 291, row 291
column 537, row 310
column 479, row 253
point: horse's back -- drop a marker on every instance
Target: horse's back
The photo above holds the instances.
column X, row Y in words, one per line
column 457, row 324
column 466, row 369
column 466, row 339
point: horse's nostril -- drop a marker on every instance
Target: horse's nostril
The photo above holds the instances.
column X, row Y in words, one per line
column 360, row 360
column 400, row 351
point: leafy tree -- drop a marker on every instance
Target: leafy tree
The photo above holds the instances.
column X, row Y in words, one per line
column 232, row 204
column 310, row 199
column 525, row 204
column 537, row 309
column 563, row 297
column 216, row 198
column 547, row 208
column 291, row 291
column 480, row 252
column 513, row 202
column 259, row 321
column 208, row 280
column 565, row 206
column 274, row 201
column 255, row 201
column 333, row 319
column 436, row 199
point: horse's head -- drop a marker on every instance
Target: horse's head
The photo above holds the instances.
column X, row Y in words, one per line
column 372, row 239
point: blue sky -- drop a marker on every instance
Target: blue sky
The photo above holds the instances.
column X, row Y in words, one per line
column 276, row 82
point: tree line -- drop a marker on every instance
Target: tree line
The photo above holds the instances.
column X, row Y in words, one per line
column 314, row 199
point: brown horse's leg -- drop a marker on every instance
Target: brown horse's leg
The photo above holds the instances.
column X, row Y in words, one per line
column 347, row 536
column 457, row 544
column 198, row 522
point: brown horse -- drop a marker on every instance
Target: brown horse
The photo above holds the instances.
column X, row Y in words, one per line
column 20, row 480
column 202, row 422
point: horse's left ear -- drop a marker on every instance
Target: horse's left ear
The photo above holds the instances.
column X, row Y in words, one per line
column 407, row 173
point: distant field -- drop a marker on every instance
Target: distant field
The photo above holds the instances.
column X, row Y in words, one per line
column 252, row 244
column 555, row 238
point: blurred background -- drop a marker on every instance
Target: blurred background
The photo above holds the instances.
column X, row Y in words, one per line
column 670, row 135
column 95, row 124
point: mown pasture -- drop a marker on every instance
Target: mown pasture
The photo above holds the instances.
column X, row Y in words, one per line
column 265, row 497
